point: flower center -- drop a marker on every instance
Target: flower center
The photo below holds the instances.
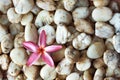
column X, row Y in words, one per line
column 41, row 50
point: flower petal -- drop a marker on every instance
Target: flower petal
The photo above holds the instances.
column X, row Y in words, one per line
column 42, row 39
column 47, row 58
column 33, row 58
column 30, row 46
column 53, row 48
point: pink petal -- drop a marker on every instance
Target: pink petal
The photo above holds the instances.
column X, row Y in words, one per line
column 53, row 48
column 33, row 58
column 42, row 39
column 47, row 58
column 30, row 46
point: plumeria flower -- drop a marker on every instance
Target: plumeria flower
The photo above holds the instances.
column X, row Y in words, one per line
column 40, row 50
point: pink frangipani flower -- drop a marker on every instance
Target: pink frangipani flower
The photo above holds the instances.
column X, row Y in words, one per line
column 41, row 50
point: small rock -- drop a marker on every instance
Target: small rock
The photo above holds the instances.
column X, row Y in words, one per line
column 111, row 58
column 83, row 64
column 100, row 3
column 48, row 5
column 7, row 43
column 109, row 71
column 31, row 72
column 4, row 20
column 109, row 44
column 14, row 69
column 116, row 42
column 5, row 5
column 20, row 6
column 27, row 18
column 115, row 21
column 15, row 28
column 82, row 3
column 99, row 74
column 96, row 50
column 19, row 39
column 103, row 30
column 80, row 13
column 48, row 73
column 71, row 54
column 64, row 67
column 69, row 5
column 31, row 33
column 35, row 10
column 87, row 75
column 82, row 41
column 97, row 63
column 3, row 31
column 62, row 17
column 62, row 34
column 4, row 61
column 104, row 11
column 19, row 56
column 83, row 26
column 44, row 17
column 13, row 17
column 73, row 76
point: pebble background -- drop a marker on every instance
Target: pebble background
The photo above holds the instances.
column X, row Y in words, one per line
column 88, row 30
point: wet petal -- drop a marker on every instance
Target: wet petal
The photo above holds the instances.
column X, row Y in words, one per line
column 47, row 58
column 42, row 39
column 30, row 46
column 33, row 58
column 53, row 48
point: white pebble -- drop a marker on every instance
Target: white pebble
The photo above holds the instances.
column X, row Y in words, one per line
column 104, row 30
column 83, row 64
column 82, row 41
column 14, row 69
column 102, row 14
column 23, row 6
column 64, row 67
column 82, row 25
column 48, row 73
column 31, row 72
column 44, row 17
column 13, row 17
column 69, row 4
column 5, row 5
column 100, row 3
column 15, row 28
column 96, row 50
column 62, row 16
column 80, row 13
column 48, row 5
column 62, row 34
column 111, row 58
column 19, row 39
column 7, row 43
column 3, row 31
column 116, row 42
column 19, row 56
column 73, row 76
column 27, row 18
column 116, row 21
column 31, row 33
